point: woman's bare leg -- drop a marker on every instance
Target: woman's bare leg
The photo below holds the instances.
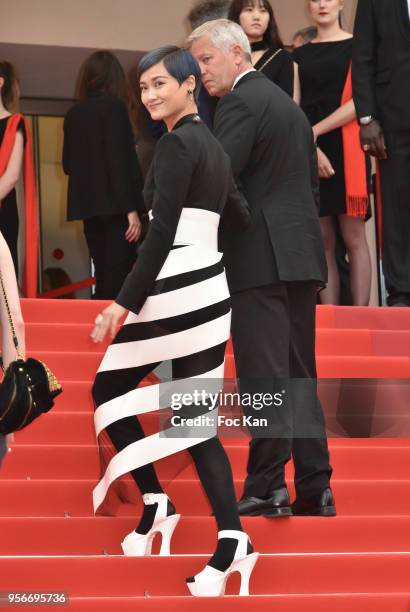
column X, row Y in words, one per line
column 330, row 295
column 10, row 285
column 354, row 236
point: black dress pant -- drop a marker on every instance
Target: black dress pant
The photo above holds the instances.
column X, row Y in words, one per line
column 395, row 188
column 112, row 255
column 273, row 333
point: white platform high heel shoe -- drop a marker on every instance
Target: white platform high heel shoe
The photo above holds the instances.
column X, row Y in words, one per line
column 140, row 545
column 212, row 582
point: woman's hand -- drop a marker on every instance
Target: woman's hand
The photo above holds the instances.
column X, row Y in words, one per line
column 325, row 167
column 107, row 321
column 134, row 227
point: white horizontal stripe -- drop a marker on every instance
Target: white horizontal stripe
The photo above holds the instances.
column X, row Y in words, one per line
column 142, row 401
column 196, row 214
column 188, row 259
column 181, row 301
column 194, row 231
column 150, row 449
column 173, row 346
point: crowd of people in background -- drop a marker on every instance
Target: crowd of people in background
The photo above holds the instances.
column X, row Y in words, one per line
column 106, row 176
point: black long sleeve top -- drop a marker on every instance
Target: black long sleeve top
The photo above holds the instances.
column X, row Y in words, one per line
column 100, row 159
column 190, row 169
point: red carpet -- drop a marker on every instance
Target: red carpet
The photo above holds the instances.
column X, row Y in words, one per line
column 50, row 541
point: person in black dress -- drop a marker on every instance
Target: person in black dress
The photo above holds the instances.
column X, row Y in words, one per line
column 179, row 309
column 257, row 19
column 324, row 66
column 9, row 218
column 105, row 181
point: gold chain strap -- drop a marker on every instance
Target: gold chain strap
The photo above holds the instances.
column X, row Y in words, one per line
column 13, row 331
column 268, row 61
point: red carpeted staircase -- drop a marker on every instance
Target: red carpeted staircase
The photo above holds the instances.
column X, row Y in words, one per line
column 51, row 542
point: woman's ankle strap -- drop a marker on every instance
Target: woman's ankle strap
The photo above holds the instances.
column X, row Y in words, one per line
column 153, row 498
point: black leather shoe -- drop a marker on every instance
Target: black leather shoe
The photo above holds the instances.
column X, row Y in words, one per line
column 277, row 505
column 324, row 505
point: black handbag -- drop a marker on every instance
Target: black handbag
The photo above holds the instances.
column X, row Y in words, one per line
column 28, row 388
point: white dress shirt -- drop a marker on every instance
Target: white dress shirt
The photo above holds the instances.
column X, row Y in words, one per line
column 408, row 2
column 238, row 78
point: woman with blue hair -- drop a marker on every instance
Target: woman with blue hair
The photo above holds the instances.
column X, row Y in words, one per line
column 179, row 309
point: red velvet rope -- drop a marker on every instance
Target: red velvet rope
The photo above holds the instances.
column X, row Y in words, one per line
column 55, row 293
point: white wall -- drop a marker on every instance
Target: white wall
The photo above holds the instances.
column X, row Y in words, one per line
column 120, row 24
column 117, row 24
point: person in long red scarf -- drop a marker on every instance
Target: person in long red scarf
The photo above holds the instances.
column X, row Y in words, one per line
column 16, row 154
column 326, row 97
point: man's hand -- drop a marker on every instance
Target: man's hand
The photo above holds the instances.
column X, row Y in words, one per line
column 107, row 321
column 325, row 167
column 372, row 140
column 134, row 228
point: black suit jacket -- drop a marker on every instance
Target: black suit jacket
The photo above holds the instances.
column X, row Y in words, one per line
column 100, row 159
column 190, row 169
column 270, row 143
column 381, row 62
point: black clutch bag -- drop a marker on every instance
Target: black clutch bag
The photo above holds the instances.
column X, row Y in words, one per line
column 28, row 388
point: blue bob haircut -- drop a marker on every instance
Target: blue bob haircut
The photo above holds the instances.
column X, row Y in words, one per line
column 179, row 63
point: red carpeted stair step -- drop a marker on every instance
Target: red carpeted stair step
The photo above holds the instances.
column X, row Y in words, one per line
column 150, row 576
column 391, row 342
column 75, row 337
column 78, row 428
column 197, row 535
column 384, row 395
column 70, row 337
column 372, row 318
column 75, row 398
column 61, row 311
column 85, row 311
column 343, row 342
column 363, row 367
column 281, row 603
column 71, row 462
column 83, row 366
column 44, row 498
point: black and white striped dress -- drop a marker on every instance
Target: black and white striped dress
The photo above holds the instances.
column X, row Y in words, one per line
column 182, row 313
column 187, row 315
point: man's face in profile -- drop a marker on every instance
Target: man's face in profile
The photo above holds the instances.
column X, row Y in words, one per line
column 218, row 67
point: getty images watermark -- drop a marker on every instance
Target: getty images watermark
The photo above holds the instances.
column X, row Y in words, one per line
column 213, row 402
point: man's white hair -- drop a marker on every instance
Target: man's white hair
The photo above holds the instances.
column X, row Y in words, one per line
column 223, row 34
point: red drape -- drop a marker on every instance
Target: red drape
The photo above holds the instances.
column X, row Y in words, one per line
column 354, row 161
column 30, row 270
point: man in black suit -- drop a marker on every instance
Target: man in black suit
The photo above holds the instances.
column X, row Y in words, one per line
column 274, row 269
column 381, row 91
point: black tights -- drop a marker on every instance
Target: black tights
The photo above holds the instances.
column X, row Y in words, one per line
column 211, row 461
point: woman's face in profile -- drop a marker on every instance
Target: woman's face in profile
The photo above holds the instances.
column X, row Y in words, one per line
column 254, row 20
column 161, row 93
